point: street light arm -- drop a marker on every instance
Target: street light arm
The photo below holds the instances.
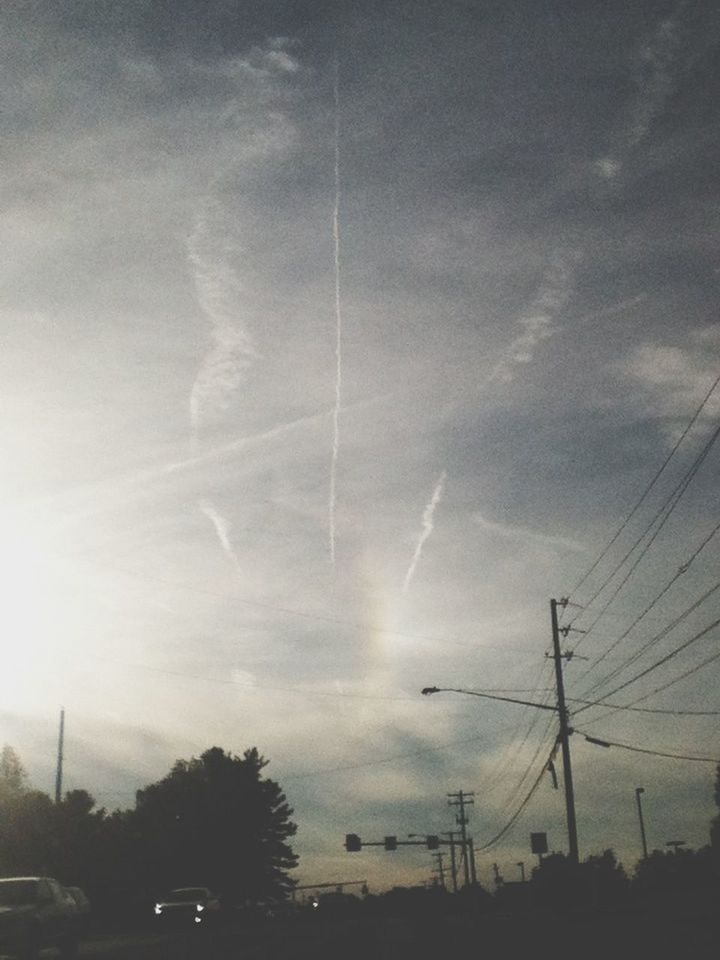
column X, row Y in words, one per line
column 488, row 696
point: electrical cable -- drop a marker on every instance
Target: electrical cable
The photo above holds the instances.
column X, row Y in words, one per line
column 660, row 689
column 654, row 753
column 505, row 764
column 649, row 487
column 666, row 508
column 653, row 666
column 520, row 809
column 648, row 643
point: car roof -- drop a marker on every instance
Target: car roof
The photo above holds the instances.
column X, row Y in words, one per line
column 13, row 879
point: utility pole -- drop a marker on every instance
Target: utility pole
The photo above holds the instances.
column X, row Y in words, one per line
column 471, row 850
column 440, row 868
column 564, row 737
column 462, row 800
column 453, row 860
column 638, row 791
column 58, row 777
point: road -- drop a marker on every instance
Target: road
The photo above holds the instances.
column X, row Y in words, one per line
column 427, row 938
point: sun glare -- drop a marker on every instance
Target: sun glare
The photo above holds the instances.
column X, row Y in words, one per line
column 31, row 605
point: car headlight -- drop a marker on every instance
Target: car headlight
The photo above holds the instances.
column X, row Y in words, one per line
column 199, row 907
column 158, row 909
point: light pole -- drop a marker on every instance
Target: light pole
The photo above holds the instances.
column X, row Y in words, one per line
column 638, row 791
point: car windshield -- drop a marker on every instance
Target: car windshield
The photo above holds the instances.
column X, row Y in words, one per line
column 186, row 894
column 15, row 892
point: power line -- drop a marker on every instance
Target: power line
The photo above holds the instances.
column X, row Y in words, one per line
column 660, row 689
column 648, row 643
column 654, row 753
column 666, row 508
column 517, row 746
column 653, row 666
column 520, row 809
column 543, row 742
column 649, row 487
column 659, row 710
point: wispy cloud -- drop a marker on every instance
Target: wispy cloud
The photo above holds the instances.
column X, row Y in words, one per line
column 538, row 323
column 218, row 290
column 526, row 535
column 655, row 71
column 428, row 525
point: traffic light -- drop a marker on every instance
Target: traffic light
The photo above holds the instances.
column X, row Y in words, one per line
column 391, row 843
column 353, row 842
column 433, row 842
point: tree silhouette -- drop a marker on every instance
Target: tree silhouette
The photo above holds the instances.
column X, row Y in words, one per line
column 13, row 778
column 214, row 820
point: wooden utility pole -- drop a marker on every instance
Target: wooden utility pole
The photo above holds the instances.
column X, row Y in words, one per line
column 564, row 737
column 59, row 774
column 453, row 860
column 462, row 800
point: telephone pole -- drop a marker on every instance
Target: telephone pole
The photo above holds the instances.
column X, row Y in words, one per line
column 453, row 860
column 440, row 868
column 564, row 737
column 461, row 799
column 58, row 777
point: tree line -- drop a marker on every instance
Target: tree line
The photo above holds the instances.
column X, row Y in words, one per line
column 213, row 820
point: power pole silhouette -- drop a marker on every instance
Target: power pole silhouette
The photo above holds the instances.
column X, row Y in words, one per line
column 440, row 868
column 461, row 800
column 453, row 859
column 564, row 736
column 59, row 774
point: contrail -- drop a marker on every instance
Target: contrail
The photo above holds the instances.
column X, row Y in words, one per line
column 338, row 320
column 427, row 528
column 221, row 528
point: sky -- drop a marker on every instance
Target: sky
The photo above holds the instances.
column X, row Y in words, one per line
column 337, row 339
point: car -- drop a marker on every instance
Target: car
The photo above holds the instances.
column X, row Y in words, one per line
column 36, row 912
column 82, row 906
column 188, row 905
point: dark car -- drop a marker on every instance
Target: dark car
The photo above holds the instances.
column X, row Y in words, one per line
column 188, row 905
column 82, row 906
column 36, row 912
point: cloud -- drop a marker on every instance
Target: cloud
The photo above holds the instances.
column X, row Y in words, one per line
column 654, row 81
column 538, row 323
column 523, row 533
column 672, row 380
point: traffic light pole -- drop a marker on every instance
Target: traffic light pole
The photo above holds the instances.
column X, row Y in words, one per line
column 564, row 737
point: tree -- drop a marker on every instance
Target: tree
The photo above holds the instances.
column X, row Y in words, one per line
column 13, row 778
column 215, row 820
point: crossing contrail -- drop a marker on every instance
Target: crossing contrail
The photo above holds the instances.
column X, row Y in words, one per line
column 427, row 528
column 338, row 320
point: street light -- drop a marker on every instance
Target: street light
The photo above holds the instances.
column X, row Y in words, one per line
column 638, row 791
